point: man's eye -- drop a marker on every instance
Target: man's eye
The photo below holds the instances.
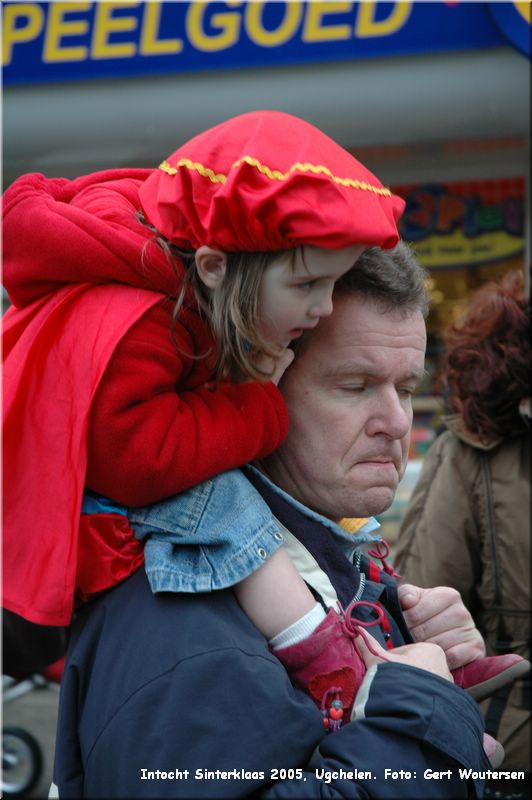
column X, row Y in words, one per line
column 306, row 286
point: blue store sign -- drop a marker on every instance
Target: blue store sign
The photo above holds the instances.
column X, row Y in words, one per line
column 514, row 20
column 59, row 41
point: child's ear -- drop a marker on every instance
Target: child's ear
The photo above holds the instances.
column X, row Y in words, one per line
column 211, row 265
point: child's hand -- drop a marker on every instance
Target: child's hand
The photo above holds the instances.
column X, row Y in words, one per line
column 278, row 365
column 281, row 364
column 422, row 655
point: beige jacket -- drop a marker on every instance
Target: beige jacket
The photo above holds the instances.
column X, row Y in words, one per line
column 468, row 526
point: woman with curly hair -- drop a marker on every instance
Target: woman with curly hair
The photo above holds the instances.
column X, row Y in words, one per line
column 468, row 521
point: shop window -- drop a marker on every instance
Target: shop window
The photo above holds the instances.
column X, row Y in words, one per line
column 465, row 233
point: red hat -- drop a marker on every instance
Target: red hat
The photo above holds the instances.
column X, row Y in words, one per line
column 267, row 181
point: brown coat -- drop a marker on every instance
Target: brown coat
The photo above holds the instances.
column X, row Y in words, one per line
column 468, row 526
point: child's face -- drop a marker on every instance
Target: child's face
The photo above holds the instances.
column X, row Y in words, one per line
column 295, row 293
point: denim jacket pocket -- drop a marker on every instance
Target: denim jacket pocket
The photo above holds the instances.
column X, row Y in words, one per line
column 210, row 537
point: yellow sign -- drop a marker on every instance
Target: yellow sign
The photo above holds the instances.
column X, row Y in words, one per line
column 457, row 250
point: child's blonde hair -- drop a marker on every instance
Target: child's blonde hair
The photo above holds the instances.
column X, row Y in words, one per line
column 231, row 310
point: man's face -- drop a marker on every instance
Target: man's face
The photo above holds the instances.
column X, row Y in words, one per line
column 349, row 397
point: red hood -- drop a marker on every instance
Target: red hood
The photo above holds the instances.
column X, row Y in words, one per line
column 59, row 231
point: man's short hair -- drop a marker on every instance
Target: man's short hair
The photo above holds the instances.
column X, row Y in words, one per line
column 392, row 278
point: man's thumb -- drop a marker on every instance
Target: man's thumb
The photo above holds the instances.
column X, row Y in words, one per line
column 408, row 595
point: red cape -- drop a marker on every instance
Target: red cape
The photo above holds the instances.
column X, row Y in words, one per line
column 73, row 267
column 49, row 384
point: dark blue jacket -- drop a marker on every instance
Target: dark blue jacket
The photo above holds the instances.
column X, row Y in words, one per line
column 186, row 682
column 175, row 695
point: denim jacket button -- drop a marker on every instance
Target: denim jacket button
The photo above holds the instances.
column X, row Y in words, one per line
column 279, row 536
column 261, row 552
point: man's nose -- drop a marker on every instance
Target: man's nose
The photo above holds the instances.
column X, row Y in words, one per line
column 390, row 416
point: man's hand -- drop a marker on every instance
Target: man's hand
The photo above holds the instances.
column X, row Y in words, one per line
column 422, row 655
column 439, row 616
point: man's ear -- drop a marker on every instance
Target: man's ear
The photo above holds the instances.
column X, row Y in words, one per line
column 211, row 265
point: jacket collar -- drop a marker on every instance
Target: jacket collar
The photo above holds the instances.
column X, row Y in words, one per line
column 453, row 422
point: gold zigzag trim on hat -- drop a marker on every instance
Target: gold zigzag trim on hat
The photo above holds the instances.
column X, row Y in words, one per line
column 196, row 167
column 273, row 174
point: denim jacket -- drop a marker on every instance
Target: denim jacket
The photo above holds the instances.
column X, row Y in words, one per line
column 216, row 534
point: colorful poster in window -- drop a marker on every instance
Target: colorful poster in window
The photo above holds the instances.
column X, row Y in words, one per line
column 466, row 223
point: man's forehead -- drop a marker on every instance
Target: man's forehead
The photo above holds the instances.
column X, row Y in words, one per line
column 360, row 329
column 342, row 340
column 397, row 348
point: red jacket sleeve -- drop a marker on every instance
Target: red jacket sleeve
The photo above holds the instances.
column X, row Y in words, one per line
column 157, row 429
